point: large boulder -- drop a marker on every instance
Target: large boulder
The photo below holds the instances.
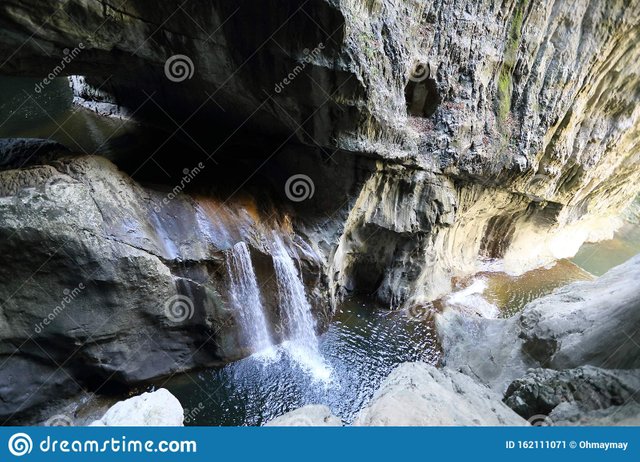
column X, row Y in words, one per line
column 307, row 416
column 156, row 409
column 418, row 394
column 588, row 388
column 593, row 323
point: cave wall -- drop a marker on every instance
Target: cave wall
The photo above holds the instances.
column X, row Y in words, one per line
column 490, row 129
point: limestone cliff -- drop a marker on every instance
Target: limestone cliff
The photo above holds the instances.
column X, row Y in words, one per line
column 438, row 135
column 511, row 118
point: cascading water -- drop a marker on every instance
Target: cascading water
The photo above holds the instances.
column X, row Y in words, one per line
column 302, row 342
column 245, row 297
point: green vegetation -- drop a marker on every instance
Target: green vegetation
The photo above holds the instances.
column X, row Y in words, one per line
column 510, row 55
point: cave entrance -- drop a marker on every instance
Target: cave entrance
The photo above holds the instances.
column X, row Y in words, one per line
column 421, row 92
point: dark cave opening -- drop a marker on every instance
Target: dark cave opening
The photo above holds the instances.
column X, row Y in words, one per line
column 421, row 92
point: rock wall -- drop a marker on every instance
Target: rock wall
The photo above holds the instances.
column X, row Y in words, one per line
column 514, row 119
column 107, row 284
column 499, row 131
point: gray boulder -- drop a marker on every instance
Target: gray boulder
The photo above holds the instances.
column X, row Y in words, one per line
column 307, row 416
column 157, row 409
column 585, row 323
column 586, row 388
column 418, row 394
column 573, row 414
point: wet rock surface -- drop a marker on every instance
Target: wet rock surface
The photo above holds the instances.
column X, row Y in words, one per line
column 307, row 416
column 22, row 152
column 108, row 284
column 586, row 388
column 418, row 394
column 585, row 323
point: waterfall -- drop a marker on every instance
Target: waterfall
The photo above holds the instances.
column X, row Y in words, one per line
column 245, row 297
column 302, row 342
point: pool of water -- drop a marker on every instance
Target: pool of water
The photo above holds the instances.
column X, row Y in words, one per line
column 361, row 347
column 498, row 294
column 600, row 257
column 365, row 342
column 50, row 114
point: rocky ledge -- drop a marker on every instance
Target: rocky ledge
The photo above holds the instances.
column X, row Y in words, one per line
column 572, row 354
column 419, row 394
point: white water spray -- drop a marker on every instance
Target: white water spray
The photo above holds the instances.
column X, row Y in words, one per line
column 245, row 297
column 302, row 342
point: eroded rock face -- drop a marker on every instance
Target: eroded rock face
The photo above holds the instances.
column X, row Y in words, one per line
column 522, row 111
column 106, row 283
column 587, row 388
column 155, row 409
column 594, row 323
column 418, row 394
column 573, row 414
